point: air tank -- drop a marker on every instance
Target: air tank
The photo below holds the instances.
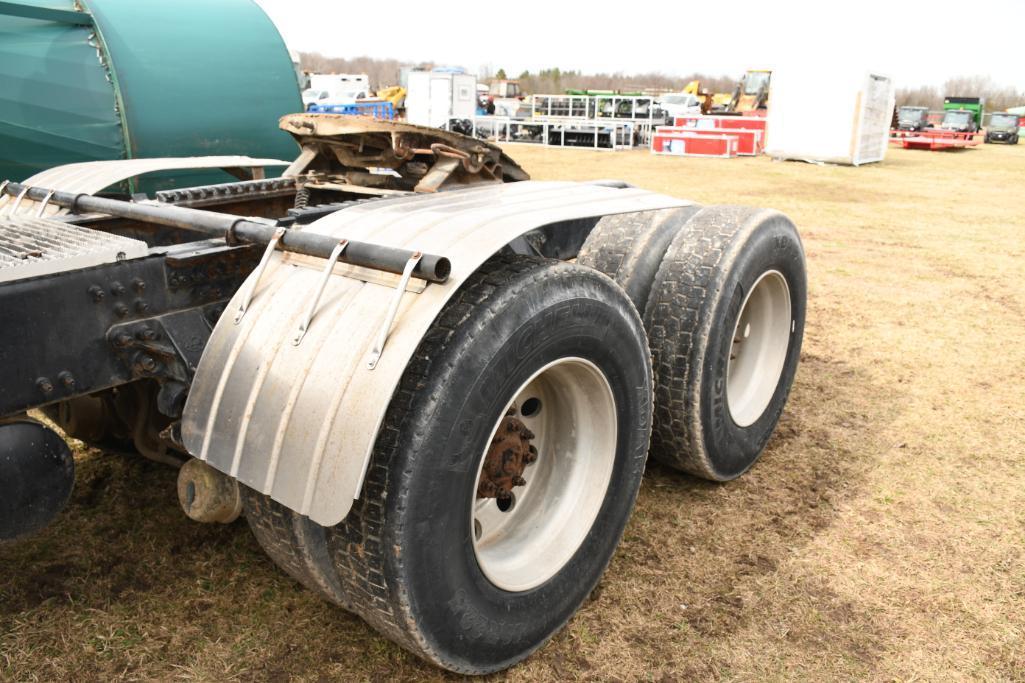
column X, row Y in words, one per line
column 121, row 79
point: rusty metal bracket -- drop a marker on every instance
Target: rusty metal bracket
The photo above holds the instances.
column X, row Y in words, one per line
column 341, row 148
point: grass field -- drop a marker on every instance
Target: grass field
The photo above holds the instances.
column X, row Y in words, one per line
column 881, row 537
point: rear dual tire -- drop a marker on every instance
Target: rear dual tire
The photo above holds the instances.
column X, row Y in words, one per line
column 427, row 561
column 723, row 273
column 421, row 556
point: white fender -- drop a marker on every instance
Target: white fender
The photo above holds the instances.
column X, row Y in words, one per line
column 298, row 422
column 89, row 177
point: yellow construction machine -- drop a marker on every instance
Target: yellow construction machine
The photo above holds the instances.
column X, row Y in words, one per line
column 751, row 94
column 395, row 94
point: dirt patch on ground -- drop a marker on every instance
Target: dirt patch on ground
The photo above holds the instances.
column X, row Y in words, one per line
column 881, row 537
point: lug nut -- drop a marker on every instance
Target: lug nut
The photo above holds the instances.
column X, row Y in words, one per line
column 117, row 289
column 67, row 379
column 138, row 285
column 146, row 334
column 122, row 340
column 121, row 310
column 97, row 293
column 147, row 363
column 141, row 306
column 44, row 385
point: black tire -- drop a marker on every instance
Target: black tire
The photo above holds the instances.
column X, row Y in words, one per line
column 403, row 559
column 629, row 247
column 691, row 317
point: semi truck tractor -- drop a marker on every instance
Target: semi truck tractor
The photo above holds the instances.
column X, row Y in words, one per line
column 428, row 383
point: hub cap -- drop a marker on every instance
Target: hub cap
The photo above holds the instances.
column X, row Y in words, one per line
column 545, row 473
column 759, row 349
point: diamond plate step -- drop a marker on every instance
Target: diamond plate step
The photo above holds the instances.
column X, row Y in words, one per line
column 30, row 247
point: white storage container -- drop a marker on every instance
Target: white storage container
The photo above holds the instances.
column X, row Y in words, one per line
column 829, row 115
column 433, row 97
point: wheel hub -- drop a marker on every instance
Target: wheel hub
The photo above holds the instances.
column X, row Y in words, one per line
column 506, row 459
column 759, row 348
column 544, row 475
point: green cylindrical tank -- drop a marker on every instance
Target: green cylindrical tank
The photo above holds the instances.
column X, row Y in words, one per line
column 117, row 79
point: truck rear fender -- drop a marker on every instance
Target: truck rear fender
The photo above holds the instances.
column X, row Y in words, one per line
column 298, row 421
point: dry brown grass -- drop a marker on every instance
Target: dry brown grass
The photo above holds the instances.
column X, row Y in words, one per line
column 881, row 537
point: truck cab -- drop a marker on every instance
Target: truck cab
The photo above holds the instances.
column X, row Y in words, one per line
column 1003, row 127
column 912, row 118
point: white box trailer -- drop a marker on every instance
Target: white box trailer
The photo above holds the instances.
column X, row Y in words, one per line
column 434, row 97
column 830, row 115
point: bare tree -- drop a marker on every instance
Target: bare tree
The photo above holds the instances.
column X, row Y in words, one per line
column 922, row 96
column 998, row 97
column 382, row 72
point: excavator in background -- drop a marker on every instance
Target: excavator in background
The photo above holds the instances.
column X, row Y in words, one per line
column 750, row 95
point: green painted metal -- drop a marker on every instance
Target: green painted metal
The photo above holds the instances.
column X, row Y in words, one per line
column 182, row 78
column 56, row 104
column 972, row 104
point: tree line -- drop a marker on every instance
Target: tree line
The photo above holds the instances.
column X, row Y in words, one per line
column 385, row 72
column 998, row 97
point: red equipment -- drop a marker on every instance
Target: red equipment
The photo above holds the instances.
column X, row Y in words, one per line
column 684, row 142
column 720, row 122
column 934, row 139
column 749, row 142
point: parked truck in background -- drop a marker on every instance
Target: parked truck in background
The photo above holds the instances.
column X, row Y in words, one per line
column 962, row 114
column 336, row 89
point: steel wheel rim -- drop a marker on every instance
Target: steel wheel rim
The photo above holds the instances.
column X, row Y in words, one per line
column 758, row 349
column 575, row 435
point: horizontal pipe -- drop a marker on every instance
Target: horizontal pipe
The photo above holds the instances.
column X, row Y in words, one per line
column 238, row 229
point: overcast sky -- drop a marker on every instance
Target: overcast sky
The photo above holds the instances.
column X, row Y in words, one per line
column 914, row 42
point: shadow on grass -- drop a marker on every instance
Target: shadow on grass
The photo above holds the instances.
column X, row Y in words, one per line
column 125, row 586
